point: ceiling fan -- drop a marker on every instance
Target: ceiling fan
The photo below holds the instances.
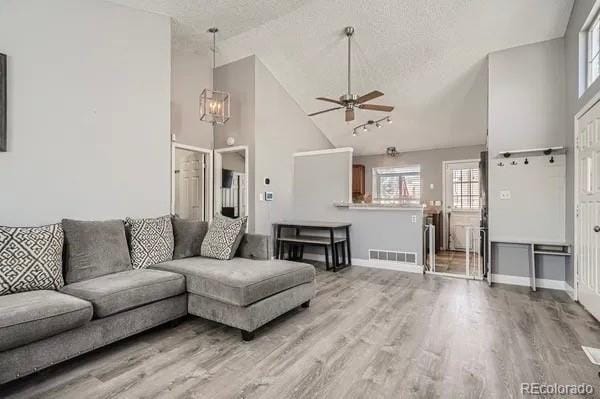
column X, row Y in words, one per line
column 350, row 101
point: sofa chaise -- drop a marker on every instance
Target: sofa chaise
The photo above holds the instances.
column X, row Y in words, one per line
column 44, row 327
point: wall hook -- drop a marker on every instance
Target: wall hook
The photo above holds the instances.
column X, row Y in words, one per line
column 500, row 164
column 514, row 163
column 552, row 159
column 526, row 161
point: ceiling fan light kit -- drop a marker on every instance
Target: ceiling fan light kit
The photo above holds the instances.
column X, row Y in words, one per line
column 350, row 101
column 214, row 104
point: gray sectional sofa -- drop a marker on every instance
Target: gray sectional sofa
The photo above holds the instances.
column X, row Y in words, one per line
column 45, row 327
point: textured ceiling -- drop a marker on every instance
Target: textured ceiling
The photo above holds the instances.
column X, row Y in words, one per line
column 427, row 56
column 192, row 18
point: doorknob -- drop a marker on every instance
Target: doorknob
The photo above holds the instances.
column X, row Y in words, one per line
column 597, row 229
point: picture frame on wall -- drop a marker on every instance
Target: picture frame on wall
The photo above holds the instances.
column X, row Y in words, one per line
column 3, row 133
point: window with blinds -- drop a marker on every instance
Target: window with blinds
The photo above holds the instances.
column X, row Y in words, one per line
column 397, row 184
column 465, row 188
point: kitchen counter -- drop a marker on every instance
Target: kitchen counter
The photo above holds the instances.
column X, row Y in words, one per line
column 379, row 206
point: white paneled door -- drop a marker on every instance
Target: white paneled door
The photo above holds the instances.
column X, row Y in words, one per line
column 588, row 210
column 191, row 187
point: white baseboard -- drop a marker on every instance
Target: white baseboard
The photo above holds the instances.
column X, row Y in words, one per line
column 525, row 281
column 376, row 264
column 570, row 291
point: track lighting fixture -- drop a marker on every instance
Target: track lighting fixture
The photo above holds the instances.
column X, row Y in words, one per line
column 377, row 124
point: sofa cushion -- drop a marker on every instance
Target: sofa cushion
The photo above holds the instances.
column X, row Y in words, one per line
column 117, row 292
column 31, row 258
column 93, row 249
column 239, row 281
column 188, row 235
column 150, row 240
column 30, row 316
column 223, row 237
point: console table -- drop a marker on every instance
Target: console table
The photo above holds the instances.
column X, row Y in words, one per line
column 330, row 227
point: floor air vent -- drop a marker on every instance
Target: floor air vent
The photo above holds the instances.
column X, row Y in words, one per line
column 393, row 256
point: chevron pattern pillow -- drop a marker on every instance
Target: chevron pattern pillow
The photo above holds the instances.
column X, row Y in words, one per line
column 223, row 237
column 150, row 241
column 31, row 258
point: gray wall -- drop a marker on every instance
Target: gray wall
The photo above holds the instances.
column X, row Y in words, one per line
column 190, row 74
column 88, row 111
column 527, row 97
column 237, row 78
column 527, row 109
column 321, row 180
column 281, row 129
column 430, row 162
column 266, row 119
column 580, row 12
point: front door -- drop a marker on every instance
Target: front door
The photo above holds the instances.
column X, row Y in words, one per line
column 461, row 201
column 588, row 210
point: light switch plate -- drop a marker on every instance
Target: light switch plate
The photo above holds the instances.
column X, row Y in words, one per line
column 505, row 195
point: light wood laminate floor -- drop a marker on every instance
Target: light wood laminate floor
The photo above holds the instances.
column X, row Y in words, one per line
column 368, row 334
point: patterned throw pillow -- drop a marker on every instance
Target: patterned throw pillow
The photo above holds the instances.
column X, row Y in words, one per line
column 31, row 258
column 150, row 241
column 223, row 237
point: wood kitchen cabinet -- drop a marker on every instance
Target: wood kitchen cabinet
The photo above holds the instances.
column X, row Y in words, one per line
column 358, row 180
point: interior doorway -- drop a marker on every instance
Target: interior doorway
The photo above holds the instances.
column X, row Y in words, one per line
column 460, row 252
column 231, row 181
column 191, row 182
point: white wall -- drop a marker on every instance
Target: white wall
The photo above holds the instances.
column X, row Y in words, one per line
column 190, row 74
column 88, row 111
column 431, row 162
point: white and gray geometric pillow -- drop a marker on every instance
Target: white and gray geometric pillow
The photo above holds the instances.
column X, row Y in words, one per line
column 31, row 258
column 151, row 241
column 223, row 237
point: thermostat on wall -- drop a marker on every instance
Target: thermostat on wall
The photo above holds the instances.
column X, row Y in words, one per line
column 268, row 196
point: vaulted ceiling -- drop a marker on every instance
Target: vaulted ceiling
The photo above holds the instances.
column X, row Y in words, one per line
column 427, row 56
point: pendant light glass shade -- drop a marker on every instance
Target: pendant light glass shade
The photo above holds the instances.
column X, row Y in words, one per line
column 214, row 104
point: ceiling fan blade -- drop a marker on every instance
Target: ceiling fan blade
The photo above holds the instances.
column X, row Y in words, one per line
column 369, row 96
column 375, row 107
column 326, row 110
column 330, row 100
column 349, row 114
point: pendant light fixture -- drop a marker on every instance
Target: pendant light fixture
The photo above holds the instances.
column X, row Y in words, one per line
column 214, row 105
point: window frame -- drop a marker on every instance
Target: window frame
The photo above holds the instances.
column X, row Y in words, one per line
column 471, row 195
column 380, row 172
column 592, row 57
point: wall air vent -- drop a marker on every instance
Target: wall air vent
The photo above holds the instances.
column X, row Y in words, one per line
column 393, row 256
